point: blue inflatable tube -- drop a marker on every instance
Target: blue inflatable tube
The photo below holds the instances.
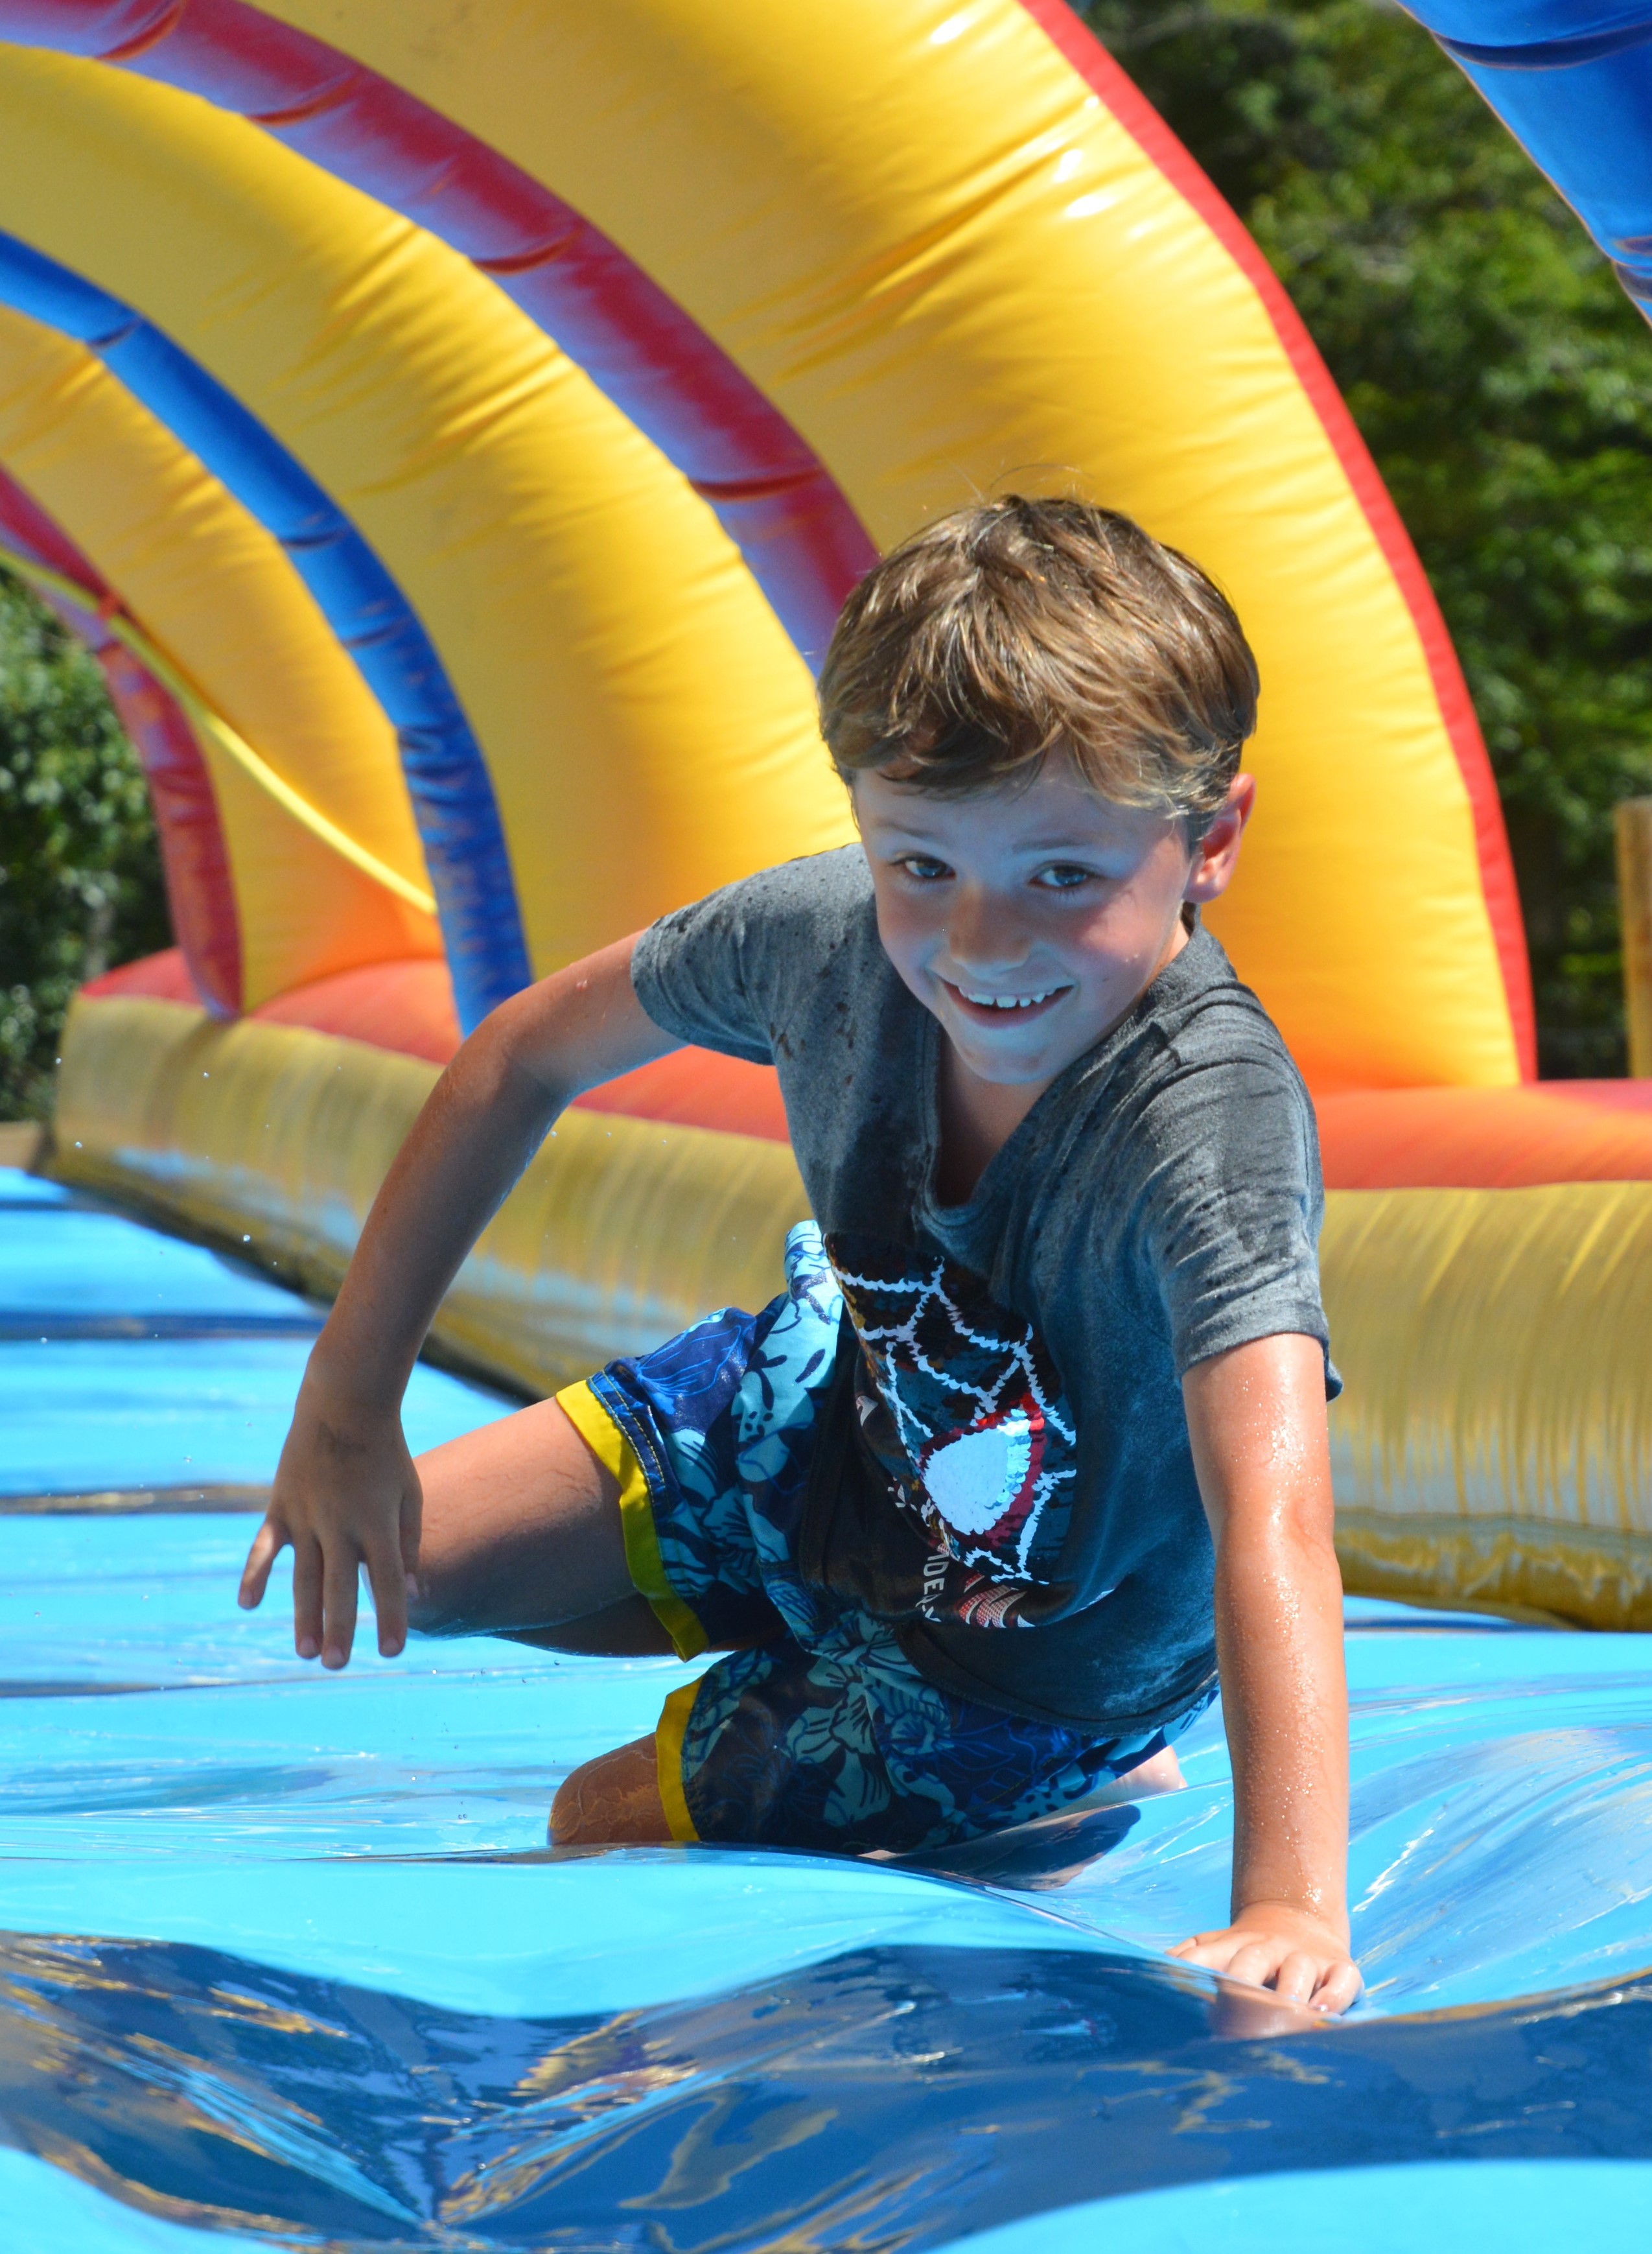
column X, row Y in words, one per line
column 447, row 778
column 1572, row 82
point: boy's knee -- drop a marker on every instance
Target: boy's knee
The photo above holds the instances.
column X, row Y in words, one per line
column 1162, row 1772
column 612, row 1801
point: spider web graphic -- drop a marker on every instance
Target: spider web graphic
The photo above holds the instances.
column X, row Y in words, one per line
column 949, row 1363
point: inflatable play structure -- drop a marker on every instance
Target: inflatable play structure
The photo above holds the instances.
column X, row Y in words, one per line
column 454, row 429
column 456, row 435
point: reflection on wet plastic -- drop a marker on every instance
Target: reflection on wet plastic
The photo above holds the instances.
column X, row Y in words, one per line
column 896, row 2096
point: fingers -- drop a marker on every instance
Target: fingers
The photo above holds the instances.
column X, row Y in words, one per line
column 1340, row 1988
column 1215, row 1952
column 324, row 1592
column 410, row 1524
column 1255, row 1963
column 346, row 1495
column 1296, row 1977
column 1262, row 1960
column 388, row 1579
column 339, row 1587
column 1198, row 1952
column 306, row 1597
column 267, row 1545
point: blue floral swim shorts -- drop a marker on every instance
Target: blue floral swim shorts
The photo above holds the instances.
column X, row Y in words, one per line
column 814, row 1730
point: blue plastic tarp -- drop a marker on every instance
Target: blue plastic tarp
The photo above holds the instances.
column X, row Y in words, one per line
column 284, row 1956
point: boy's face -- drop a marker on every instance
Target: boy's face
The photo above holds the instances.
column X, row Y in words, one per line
column 1029, row 919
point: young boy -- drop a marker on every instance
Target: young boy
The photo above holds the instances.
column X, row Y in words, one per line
column 1036, row 1436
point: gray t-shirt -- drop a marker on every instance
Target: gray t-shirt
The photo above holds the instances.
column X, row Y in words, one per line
column 1019, row 1403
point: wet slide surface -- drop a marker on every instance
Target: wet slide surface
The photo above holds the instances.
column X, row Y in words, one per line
column 285, row 1960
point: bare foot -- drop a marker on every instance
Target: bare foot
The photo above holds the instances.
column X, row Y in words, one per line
column 612, row 1801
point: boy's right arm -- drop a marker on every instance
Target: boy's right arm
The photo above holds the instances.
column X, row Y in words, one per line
column 346, row 1493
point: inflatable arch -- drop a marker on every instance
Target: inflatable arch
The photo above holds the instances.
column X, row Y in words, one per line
column 221, row 598
column 456, row 438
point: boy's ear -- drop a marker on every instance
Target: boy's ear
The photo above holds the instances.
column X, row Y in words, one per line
column 1216, row 855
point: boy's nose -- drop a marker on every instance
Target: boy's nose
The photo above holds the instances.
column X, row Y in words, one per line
column 981, row 936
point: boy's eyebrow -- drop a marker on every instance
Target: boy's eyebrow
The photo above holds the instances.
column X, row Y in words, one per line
column 903, row 831
column 1056, row 842
column 1060, row 842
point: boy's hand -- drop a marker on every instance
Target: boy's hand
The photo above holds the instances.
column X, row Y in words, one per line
column 1303, row 1959
column 1256, row 1417
column 346, row 1495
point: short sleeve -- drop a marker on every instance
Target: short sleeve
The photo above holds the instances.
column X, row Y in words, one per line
column 725, row 973
column 1232, row 1213
column 686, row 973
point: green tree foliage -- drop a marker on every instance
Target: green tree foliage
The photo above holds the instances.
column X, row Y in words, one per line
column 1504, row 385
column 80, row 870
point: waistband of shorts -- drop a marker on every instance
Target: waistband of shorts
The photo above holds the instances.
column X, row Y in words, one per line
column 599, row 1413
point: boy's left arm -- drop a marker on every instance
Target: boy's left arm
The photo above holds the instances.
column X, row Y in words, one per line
column 1256, row 1416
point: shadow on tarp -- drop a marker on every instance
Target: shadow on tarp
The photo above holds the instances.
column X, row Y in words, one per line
column 899, row 2096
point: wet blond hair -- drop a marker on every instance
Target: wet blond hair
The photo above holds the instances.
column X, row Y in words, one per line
column 1015, row 628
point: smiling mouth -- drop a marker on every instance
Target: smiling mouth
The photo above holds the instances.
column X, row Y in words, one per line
column 1004, row 1009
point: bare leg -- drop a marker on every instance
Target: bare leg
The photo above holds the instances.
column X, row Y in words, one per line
column 612, row 1801
column 521, row 1536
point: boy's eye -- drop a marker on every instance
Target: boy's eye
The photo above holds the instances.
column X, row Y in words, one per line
column 1063, row 877
column 924, row 866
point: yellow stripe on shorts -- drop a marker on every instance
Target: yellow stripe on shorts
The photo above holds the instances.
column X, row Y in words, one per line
column 667, row 1753
column 647, row 1568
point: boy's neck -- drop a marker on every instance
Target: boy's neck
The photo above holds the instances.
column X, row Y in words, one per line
column 976, row 1119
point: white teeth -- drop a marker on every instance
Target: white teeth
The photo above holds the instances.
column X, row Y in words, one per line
column 1009, row 1001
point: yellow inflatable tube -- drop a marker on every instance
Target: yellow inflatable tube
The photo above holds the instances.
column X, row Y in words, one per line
column 223, row 604
column 1495, row 1444
column 938, row 250
column 608, row 644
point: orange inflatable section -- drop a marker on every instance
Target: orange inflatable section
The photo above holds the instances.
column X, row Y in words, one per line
column 1412, row 1139
column 408, row 1008
column 1491, row 1139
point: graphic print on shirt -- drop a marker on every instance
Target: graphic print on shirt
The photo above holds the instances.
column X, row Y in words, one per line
column 970, row 1423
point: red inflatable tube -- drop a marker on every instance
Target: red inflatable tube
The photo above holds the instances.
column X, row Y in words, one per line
column 1389, row 1138
column 801, row 541
column 199, row 892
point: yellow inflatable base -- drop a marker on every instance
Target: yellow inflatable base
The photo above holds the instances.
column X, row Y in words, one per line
column 1494, row 1447
column 1553, row 1576
column 1495, row 1444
